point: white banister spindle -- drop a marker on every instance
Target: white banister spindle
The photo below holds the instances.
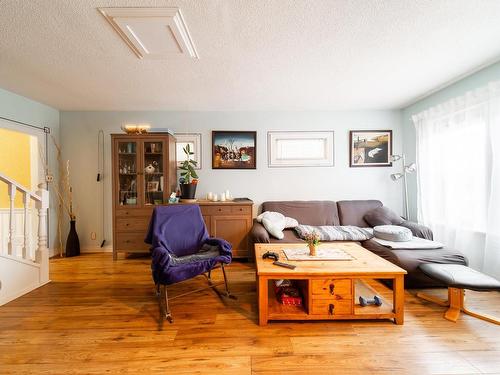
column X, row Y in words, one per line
column 42, row 253
column 27, row 233
column 12, row 196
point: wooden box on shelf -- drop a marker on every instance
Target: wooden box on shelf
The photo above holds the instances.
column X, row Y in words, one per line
column 144, row 175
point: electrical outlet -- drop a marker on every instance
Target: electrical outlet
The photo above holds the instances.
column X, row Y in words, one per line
column 49, row 178
column 93, row 236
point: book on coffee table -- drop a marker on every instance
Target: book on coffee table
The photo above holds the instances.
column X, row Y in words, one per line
column 323, row 253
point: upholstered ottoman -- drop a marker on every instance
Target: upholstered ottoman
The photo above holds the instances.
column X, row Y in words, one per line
column 458, row 278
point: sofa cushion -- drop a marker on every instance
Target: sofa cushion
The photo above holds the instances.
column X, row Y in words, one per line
column 392, row 233
column 411, row 260
column 289, row 237
column 352, row 212
column 382, row 216
column 306, row 212
column 335, row 233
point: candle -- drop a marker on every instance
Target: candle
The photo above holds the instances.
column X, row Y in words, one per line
column 223, row 197
column 210, row 196
column 215, row 198
column 228, row 196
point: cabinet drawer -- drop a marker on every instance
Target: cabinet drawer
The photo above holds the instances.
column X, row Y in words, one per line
column 126, row 212
column 131, row 241
column 132, row 223
column 216, row 210
column 331, row 287
column 331, row 307
column 241, row 210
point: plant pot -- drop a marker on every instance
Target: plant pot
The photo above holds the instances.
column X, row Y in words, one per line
column 72, row 243
column 188, row 191
column 312, row 250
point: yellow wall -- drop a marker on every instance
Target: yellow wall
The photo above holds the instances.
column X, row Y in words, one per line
column 15, row 160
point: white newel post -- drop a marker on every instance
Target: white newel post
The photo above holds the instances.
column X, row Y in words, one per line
column 12, row 196
column 42, row 252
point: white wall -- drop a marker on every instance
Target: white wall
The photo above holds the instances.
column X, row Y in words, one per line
column 79, row 139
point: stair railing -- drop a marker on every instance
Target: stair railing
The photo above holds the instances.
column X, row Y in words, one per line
column 41, row 199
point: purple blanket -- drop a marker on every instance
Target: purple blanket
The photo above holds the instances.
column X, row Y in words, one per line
column 180, row 246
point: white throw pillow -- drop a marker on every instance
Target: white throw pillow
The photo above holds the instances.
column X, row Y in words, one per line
column 273, row 230
column 276, row 218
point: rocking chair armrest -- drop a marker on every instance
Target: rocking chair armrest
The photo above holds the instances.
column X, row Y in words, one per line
column 224, row 246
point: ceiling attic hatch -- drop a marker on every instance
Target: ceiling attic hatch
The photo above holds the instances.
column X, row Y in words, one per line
column 152, row 33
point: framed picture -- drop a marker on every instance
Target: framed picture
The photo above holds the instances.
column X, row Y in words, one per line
column 194, row 141
column 370, row 148
column 152, row 186
column 300, row 148
column 234, row 150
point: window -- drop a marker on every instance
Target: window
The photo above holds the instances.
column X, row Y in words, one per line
column 300, row 149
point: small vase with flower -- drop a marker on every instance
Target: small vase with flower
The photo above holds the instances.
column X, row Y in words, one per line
column 312, row 240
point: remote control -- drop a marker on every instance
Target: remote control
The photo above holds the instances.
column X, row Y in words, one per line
column 286, row 265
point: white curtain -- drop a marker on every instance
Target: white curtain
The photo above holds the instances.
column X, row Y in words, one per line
column 458, row 158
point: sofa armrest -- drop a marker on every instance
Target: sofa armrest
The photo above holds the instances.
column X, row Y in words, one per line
column 259, row 234
column 418, row 230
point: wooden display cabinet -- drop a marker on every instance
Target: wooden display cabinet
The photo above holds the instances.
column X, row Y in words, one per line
column 144, row 175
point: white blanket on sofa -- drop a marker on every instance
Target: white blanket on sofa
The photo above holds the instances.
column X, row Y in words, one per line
column 416, row 243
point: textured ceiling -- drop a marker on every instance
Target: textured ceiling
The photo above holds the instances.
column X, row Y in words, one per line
column 254, row 55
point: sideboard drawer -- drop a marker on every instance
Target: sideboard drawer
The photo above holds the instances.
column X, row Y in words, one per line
column 216, row 210
column 132, row 223
column 132, row 242
column 331, row 287
column 331, row 307
column 242, row 210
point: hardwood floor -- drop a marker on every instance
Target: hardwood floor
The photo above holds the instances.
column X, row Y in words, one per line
column 98, row 316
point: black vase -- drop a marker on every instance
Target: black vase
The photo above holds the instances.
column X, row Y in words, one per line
column 72, row 243
column 188, row 191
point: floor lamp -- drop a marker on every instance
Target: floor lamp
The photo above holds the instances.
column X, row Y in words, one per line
column 407, row 169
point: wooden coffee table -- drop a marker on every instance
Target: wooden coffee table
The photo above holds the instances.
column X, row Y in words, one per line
column 330, row 289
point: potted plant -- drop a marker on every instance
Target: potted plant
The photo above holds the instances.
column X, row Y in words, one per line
column 189, row 178
column 312, row 239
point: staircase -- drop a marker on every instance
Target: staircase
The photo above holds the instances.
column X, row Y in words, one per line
column 24, row 257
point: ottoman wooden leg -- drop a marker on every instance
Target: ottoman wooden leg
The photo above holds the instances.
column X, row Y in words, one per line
column 456, row 301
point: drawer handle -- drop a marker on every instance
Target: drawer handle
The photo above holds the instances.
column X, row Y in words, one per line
column 241, row 209
column 220, row 209
column 332, row 287
column 127, row 241
column 330, row 308
column 127, row 224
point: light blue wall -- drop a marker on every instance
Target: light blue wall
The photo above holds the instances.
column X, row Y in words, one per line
column 79, row 138
column 19, row 108
column 478, row 79
column 22, row 109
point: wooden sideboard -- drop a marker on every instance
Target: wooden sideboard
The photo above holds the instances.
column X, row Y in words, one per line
column 231, row 221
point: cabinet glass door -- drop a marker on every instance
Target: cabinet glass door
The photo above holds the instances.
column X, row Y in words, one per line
column 127, row 173
column 154, row 172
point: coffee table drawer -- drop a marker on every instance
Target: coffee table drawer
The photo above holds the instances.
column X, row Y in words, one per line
column 331, row 307
column 331, row 287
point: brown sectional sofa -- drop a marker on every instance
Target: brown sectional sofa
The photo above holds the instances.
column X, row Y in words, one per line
column 352, row 213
